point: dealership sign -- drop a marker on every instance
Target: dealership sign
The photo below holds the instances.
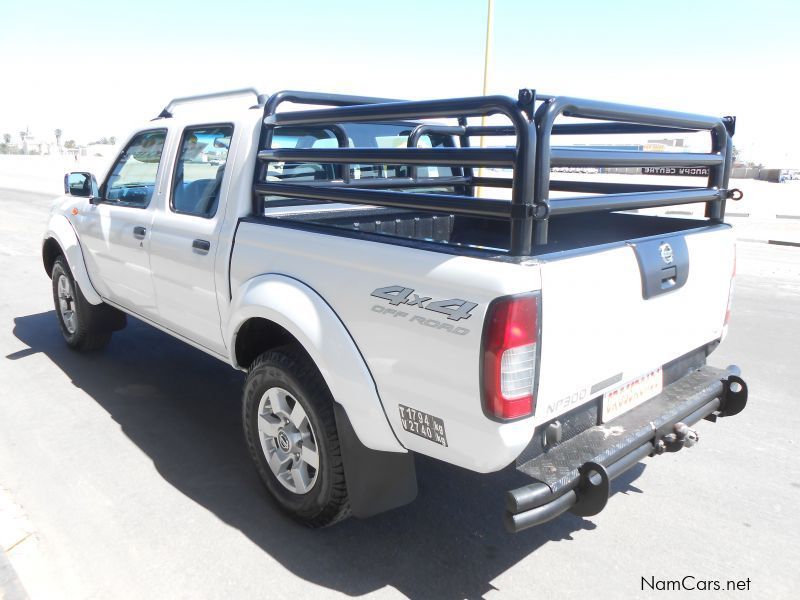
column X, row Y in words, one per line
column 695, row 171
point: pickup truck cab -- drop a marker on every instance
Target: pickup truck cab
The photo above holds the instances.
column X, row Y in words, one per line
column 391, row 289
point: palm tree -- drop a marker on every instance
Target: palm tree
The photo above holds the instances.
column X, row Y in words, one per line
column 58, row 138
column 23, row 145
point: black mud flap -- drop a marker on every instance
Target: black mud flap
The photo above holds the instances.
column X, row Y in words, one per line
column 376, row 481
column 575, row 476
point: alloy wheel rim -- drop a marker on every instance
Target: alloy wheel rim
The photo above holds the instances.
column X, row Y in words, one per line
column 66, row 304
column 288, row 440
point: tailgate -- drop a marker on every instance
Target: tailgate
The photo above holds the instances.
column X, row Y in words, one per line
column 612, row 317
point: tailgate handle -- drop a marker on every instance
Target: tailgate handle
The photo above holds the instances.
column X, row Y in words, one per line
column 669, row 277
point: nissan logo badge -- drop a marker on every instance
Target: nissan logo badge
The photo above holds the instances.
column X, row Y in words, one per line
column 666, row 252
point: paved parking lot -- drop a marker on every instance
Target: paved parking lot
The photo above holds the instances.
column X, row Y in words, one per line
column 124, row 475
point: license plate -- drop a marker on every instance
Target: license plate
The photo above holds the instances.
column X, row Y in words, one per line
column 632, row 394
column 422, row 424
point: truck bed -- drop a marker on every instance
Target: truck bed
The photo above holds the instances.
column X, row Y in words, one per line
column 567, row 232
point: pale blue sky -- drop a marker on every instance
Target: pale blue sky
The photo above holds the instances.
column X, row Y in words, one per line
column 97, row 68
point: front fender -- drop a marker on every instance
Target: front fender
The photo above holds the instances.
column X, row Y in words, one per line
column 60, row 229
column 303, row 313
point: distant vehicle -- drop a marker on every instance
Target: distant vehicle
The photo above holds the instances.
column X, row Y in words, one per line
column 341, row 257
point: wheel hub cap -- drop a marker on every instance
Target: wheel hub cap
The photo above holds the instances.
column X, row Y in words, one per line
column 288, row 440
column 283, row 441
column 66, row 304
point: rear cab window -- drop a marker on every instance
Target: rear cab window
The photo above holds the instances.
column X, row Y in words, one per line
column 358, row 135
column 196, row 183
column 360, row 218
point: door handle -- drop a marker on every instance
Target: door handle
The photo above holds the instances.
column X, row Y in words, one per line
column 203, row 246
column 139, row 232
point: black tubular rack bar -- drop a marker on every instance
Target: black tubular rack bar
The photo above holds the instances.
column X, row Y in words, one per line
column 530, row 159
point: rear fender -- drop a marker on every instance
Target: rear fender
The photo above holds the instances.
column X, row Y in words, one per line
column 60, row 230
column 303, row 313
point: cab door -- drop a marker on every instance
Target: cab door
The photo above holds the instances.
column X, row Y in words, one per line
column 185, row 235
column 115, row 228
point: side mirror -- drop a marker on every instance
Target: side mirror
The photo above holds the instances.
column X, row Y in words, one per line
column 81, row 184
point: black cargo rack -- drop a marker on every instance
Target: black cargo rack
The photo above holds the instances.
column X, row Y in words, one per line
column 531, row 158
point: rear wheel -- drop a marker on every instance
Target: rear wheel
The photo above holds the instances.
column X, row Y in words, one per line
column 291, row 435
column 83, row 325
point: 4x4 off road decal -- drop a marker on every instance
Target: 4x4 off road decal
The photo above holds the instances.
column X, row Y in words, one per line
column 455, row 309
column 422, row 424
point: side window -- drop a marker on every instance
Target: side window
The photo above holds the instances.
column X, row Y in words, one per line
column 199, row 170
column 133, row 178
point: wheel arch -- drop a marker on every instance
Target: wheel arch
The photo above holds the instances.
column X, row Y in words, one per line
column 61, row 240
column 51, row 250
column 274, row 309
column 258, row 335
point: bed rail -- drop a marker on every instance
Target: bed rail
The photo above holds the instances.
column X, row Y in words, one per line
column 530, row 158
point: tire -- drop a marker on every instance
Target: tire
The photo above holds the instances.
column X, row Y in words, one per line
column 283, row 449
column 85, row 327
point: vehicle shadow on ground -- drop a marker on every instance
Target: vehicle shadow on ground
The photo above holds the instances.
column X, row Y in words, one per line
column 181, row 407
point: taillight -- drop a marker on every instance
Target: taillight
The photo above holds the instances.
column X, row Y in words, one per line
column 510, row 340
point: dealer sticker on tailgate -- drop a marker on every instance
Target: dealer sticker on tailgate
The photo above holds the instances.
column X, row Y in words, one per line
column 422, row 424
column 632, row 394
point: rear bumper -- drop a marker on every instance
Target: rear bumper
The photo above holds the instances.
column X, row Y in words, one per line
column 575, row 475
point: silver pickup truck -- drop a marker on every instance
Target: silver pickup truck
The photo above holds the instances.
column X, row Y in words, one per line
column 391, row 289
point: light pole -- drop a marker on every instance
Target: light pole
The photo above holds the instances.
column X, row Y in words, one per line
column 486, row 60
column 487, row 55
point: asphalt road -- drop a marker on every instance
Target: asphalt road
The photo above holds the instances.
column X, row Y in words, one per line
column 130, row 474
